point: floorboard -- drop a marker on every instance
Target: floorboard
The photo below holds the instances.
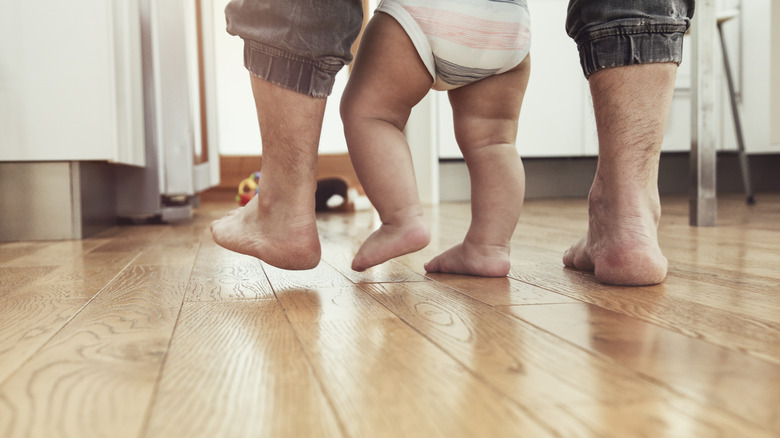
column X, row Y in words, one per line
column 154, row 330
column 385, row 380
column 235, row 369
column 691, row 366
column 97, row 375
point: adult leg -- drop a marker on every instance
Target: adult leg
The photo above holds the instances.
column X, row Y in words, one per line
column 631, row 106
column 631, row 103
column 278, row 224
column 387, row 80
column 294, row 50
column 486, row 116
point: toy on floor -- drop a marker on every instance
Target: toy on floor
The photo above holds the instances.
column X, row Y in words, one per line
column 247, row 189
column 332, row 195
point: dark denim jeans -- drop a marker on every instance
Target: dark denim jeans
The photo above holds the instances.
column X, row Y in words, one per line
column 615, row 33
column 302, row 44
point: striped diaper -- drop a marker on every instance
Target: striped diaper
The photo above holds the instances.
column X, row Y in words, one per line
column 463, row 41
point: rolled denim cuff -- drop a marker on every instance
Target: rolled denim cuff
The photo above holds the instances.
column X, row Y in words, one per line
column 628, row 42
column 294, row 72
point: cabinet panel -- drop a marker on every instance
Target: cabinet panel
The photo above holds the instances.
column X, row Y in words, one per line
column 70, row 89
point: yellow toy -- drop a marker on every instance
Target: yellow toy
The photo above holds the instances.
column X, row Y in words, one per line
column 247, row 189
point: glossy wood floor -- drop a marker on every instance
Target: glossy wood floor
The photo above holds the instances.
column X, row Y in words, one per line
column 154, row 331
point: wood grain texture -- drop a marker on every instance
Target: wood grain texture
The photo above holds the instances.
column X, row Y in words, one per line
column 54, row 253
column 96, row 376
column 385, row 380
column 219, row 274
column 137, row 238
column 674, row 304
column 340, row 254
column 688, row 365
column 20, row 278
column 323, row 276
column 316, row 305
column 149, row 331
column 674, row 417
column 528, row 366
column 238, row 357
column 501, row 291
column 31, row 315
column 13, row 250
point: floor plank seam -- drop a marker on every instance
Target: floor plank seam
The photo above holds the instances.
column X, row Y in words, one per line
column 145, row 424
column 72, row 317
column 680, row 392
column 479, row 377
column 660, row 323
column 134, row 335
column 312, row 368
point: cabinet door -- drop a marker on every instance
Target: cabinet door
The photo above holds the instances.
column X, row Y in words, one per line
column 70, row 81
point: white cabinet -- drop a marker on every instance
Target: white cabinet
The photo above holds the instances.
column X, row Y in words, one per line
column 178, row 78
column 71, row 81
column 91, row 84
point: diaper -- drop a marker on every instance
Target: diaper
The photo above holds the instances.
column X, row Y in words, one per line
column 463, row 41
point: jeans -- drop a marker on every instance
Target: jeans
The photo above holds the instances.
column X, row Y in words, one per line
column 302, row 44
column 616, row 33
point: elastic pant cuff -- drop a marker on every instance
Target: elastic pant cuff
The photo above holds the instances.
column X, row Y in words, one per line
column 617, row 45
column 290, row 71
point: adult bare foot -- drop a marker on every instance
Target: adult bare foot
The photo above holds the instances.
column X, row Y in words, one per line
column 632, row 106
column 390, row 241
column 274, row 234
column 621, row 246
column 469, row 259
column 278, row 226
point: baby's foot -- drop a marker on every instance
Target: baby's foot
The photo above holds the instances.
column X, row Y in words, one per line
column 391, row 241
column 469, row 259
column 273, row 235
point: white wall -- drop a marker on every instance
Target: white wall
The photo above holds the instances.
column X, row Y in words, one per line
column 755, row 83
column 775, row 85
column 237, row 120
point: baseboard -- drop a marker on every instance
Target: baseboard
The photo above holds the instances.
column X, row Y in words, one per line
column 572, row 177
column 56, row 200
column 545, row 177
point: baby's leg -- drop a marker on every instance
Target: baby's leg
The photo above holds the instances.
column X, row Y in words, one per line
column 486, row 115
column 388, row 79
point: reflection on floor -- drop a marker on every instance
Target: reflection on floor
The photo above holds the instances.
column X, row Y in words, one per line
column 156, row 331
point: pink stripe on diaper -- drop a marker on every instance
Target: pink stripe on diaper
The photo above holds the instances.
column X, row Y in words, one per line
column 469, row 31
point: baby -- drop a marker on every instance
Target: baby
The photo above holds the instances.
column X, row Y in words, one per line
column 476, row 50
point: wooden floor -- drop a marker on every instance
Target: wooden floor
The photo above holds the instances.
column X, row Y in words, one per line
column 154, row 331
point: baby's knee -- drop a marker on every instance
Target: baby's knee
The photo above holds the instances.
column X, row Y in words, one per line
column 347, row 108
